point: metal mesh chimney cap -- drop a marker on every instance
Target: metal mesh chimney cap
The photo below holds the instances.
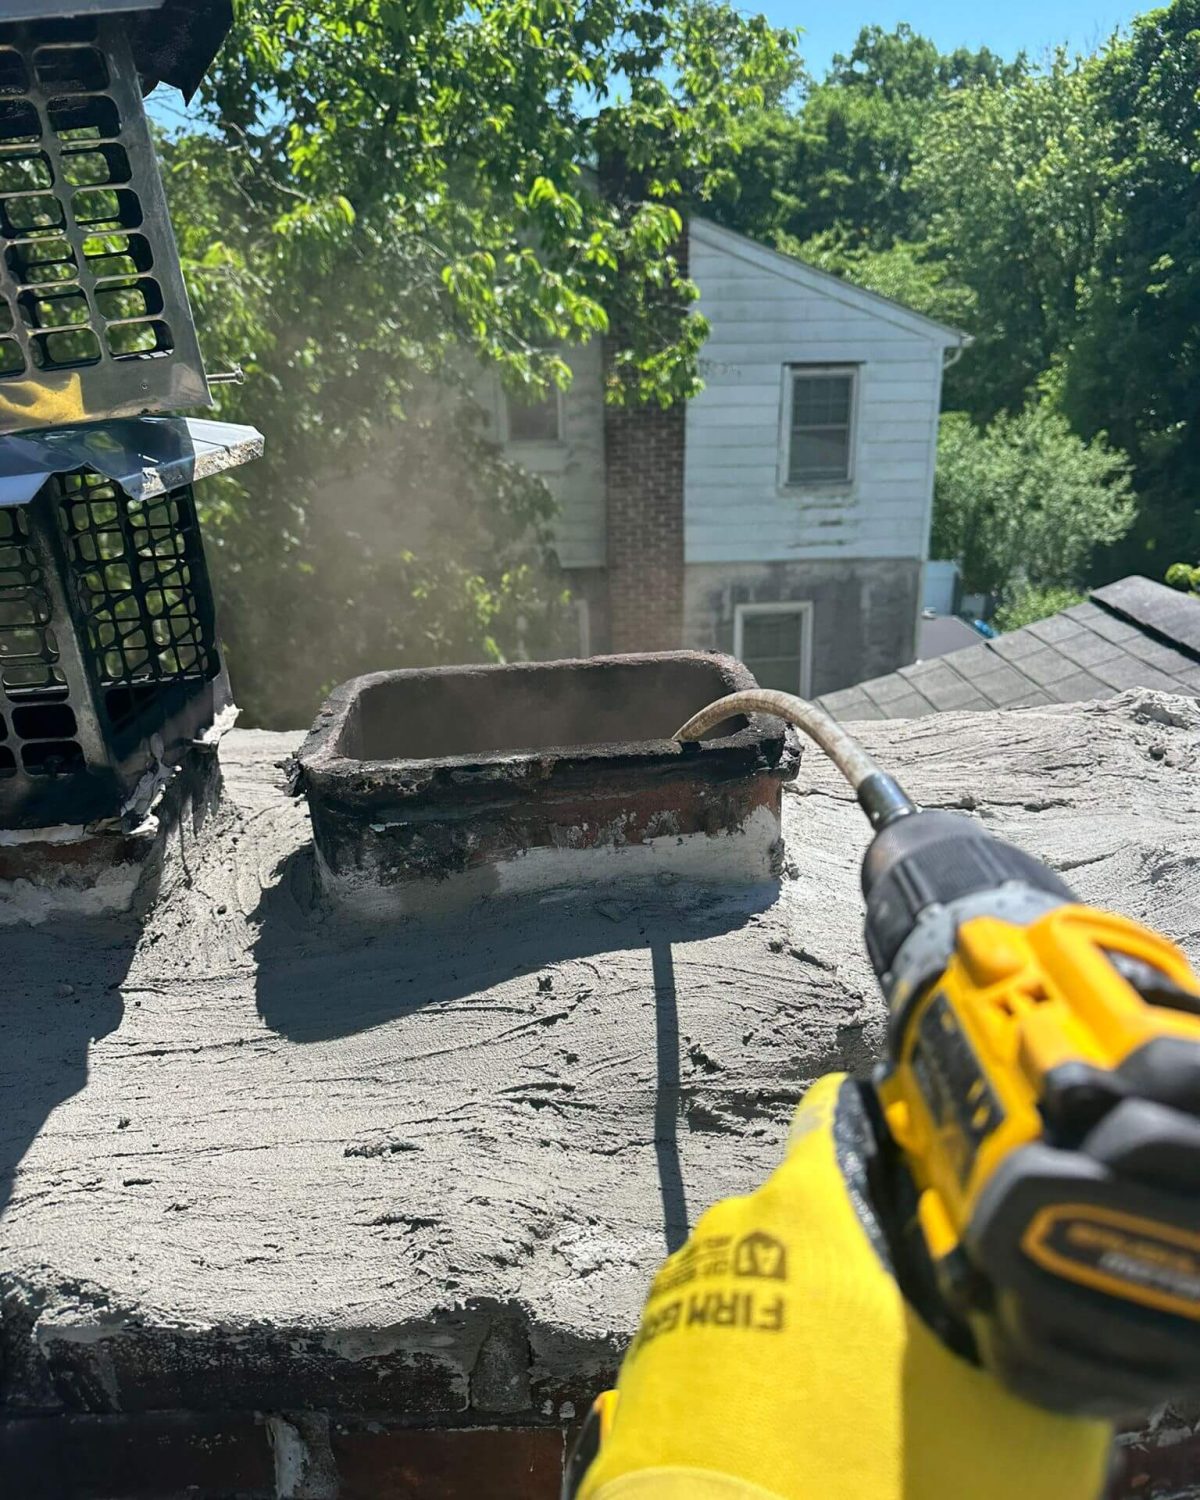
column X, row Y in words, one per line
column 110, row 666
column 94, row 315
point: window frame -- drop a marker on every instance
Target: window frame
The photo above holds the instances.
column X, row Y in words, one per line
column 543, row 443
column 792, row 373
column 800, row 607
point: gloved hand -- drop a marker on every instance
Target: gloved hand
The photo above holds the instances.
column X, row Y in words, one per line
column 777, row 1359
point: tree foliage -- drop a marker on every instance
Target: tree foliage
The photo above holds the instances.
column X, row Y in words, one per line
column 1134, row 368
column 842, row 161
column 1014, row 182
column 1023, row 503
column 1028, row 604
column 378, row 203
column 1185, row 576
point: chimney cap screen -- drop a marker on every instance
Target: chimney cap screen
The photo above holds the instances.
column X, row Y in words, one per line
column 146, row 456
column 94, row 315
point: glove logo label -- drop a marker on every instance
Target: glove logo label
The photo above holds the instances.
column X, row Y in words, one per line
column 760, row 1255
column 746, row 1311
column 702, row 1286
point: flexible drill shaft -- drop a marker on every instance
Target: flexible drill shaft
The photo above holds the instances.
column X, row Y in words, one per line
column 880, row 796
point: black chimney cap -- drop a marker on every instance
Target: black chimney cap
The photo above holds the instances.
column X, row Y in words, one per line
column 174, row 41
column 177, row 43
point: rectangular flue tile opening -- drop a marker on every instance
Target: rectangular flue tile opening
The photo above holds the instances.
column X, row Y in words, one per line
column 442, row 715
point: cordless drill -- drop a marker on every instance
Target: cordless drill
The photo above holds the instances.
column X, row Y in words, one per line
column 1039, row 1119
column 1033, row 1150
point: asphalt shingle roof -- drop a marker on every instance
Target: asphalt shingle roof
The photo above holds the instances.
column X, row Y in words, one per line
column 1133, row 633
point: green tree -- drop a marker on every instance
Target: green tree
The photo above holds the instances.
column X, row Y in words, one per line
column 1135, row 366
column 1024, row 502
column 1015, row 186
column 1184, row 576
column 840, row 164
column 377, row 204
column 903, row 65
column 1028, row 605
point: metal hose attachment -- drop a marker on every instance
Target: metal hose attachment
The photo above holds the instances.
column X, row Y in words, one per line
column 880, row 796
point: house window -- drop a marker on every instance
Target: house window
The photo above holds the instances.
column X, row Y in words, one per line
column 820, row 424
column 774, row 641
column 534, row 421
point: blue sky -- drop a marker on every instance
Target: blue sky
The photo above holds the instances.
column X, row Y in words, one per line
column 1035, row 25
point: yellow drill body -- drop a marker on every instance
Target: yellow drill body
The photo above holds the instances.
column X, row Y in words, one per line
column 965, row 1090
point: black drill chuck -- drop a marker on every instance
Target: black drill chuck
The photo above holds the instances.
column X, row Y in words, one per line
column 935, row 858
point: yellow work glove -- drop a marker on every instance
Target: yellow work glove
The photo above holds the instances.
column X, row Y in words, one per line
column 777, row 1359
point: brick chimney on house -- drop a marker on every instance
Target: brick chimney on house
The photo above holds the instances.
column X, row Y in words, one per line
column 643, row 448
column 644, row 487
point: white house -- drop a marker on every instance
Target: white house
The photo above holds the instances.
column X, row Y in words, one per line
column 783, row 514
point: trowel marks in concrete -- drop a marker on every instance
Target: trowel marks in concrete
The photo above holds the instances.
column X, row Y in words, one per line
column 271, row 1160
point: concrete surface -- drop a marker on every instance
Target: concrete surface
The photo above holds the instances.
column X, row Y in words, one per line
column 252, row 1157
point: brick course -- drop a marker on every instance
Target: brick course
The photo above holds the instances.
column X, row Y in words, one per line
column 228, row 1456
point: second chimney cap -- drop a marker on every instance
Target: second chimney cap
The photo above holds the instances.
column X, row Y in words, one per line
column 175, row 44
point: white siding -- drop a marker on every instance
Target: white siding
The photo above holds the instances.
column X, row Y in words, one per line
column 574, row 467
column 766, row 313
